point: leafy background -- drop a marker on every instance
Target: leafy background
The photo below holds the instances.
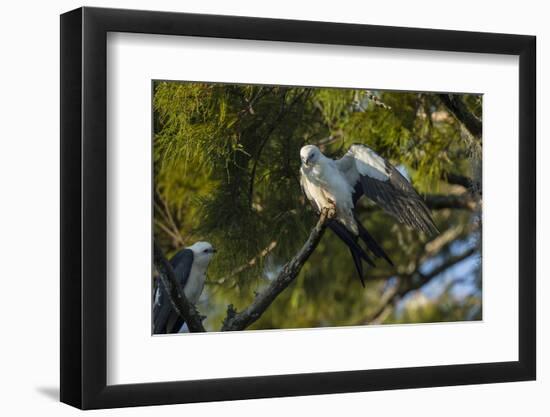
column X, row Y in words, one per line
column 226, row 167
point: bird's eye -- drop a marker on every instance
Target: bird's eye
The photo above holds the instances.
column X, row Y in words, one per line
column 205, row 251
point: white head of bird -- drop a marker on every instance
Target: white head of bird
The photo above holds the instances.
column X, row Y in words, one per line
column 310, row 155
column 202, row 252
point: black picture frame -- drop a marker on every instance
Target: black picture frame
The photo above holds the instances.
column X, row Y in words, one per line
column 84, row 207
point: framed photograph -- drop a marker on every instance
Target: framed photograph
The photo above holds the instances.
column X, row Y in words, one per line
column 257, row 208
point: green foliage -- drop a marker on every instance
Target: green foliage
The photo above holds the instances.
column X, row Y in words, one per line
column 226, row 163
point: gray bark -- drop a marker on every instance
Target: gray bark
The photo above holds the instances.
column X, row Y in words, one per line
column 241, row 320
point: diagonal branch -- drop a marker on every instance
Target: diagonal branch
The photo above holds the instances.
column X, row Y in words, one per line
column 462, row 180
column 241, row 320
column 464, row 201
column 466, row 118
column 407, row 284
column 177, row 298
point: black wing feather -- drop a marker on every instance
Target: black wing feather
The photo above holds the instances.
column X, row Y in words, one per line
column 372, row 245
column 165, row 319
column 397, row 197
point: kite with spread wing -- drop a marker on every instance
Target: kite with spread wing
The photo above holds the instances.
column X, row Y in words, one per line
column 339, row 184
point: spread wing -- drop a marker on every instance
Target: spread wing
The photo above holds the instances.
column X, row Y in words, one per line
column 373, row 176
column 163, row 314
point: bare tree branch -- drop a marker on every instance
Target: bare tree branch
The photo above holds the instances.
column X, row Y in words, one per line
column 442, row 241
column 334, row 137
column 466, row 118
column 431, row 249
column 457, row 179
column 414, row 282
column 376, row 100
column 177, row 298
column 464, row 201
column 241, row 320
column 452, row 261
column 384, row 307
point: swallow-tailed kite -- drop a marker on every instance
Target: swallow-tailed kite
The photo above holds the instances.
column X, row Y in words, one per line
column 339, row 184
column 189, row 266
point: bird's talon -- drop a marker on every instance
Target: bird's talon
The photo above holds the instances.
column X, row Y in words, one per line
column 329, row 212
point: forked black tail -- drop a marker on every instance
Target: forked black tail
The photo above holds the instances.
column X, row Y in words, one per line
column 357, row 252
column 372, row 245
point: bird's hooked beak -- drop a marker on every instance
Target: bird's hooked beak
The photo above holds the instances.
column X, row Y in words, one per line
column 306, row 160
column 214, row 250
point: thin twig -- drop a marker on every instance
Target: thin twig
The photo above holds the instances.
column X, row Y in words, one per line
column 176, row 238
column 165, row 212
column 249, row 264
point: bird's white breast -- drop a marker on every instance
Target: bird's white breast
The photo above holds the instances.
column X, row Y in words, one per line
column 328, row 186
column 195, row 283
column 333, row 184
